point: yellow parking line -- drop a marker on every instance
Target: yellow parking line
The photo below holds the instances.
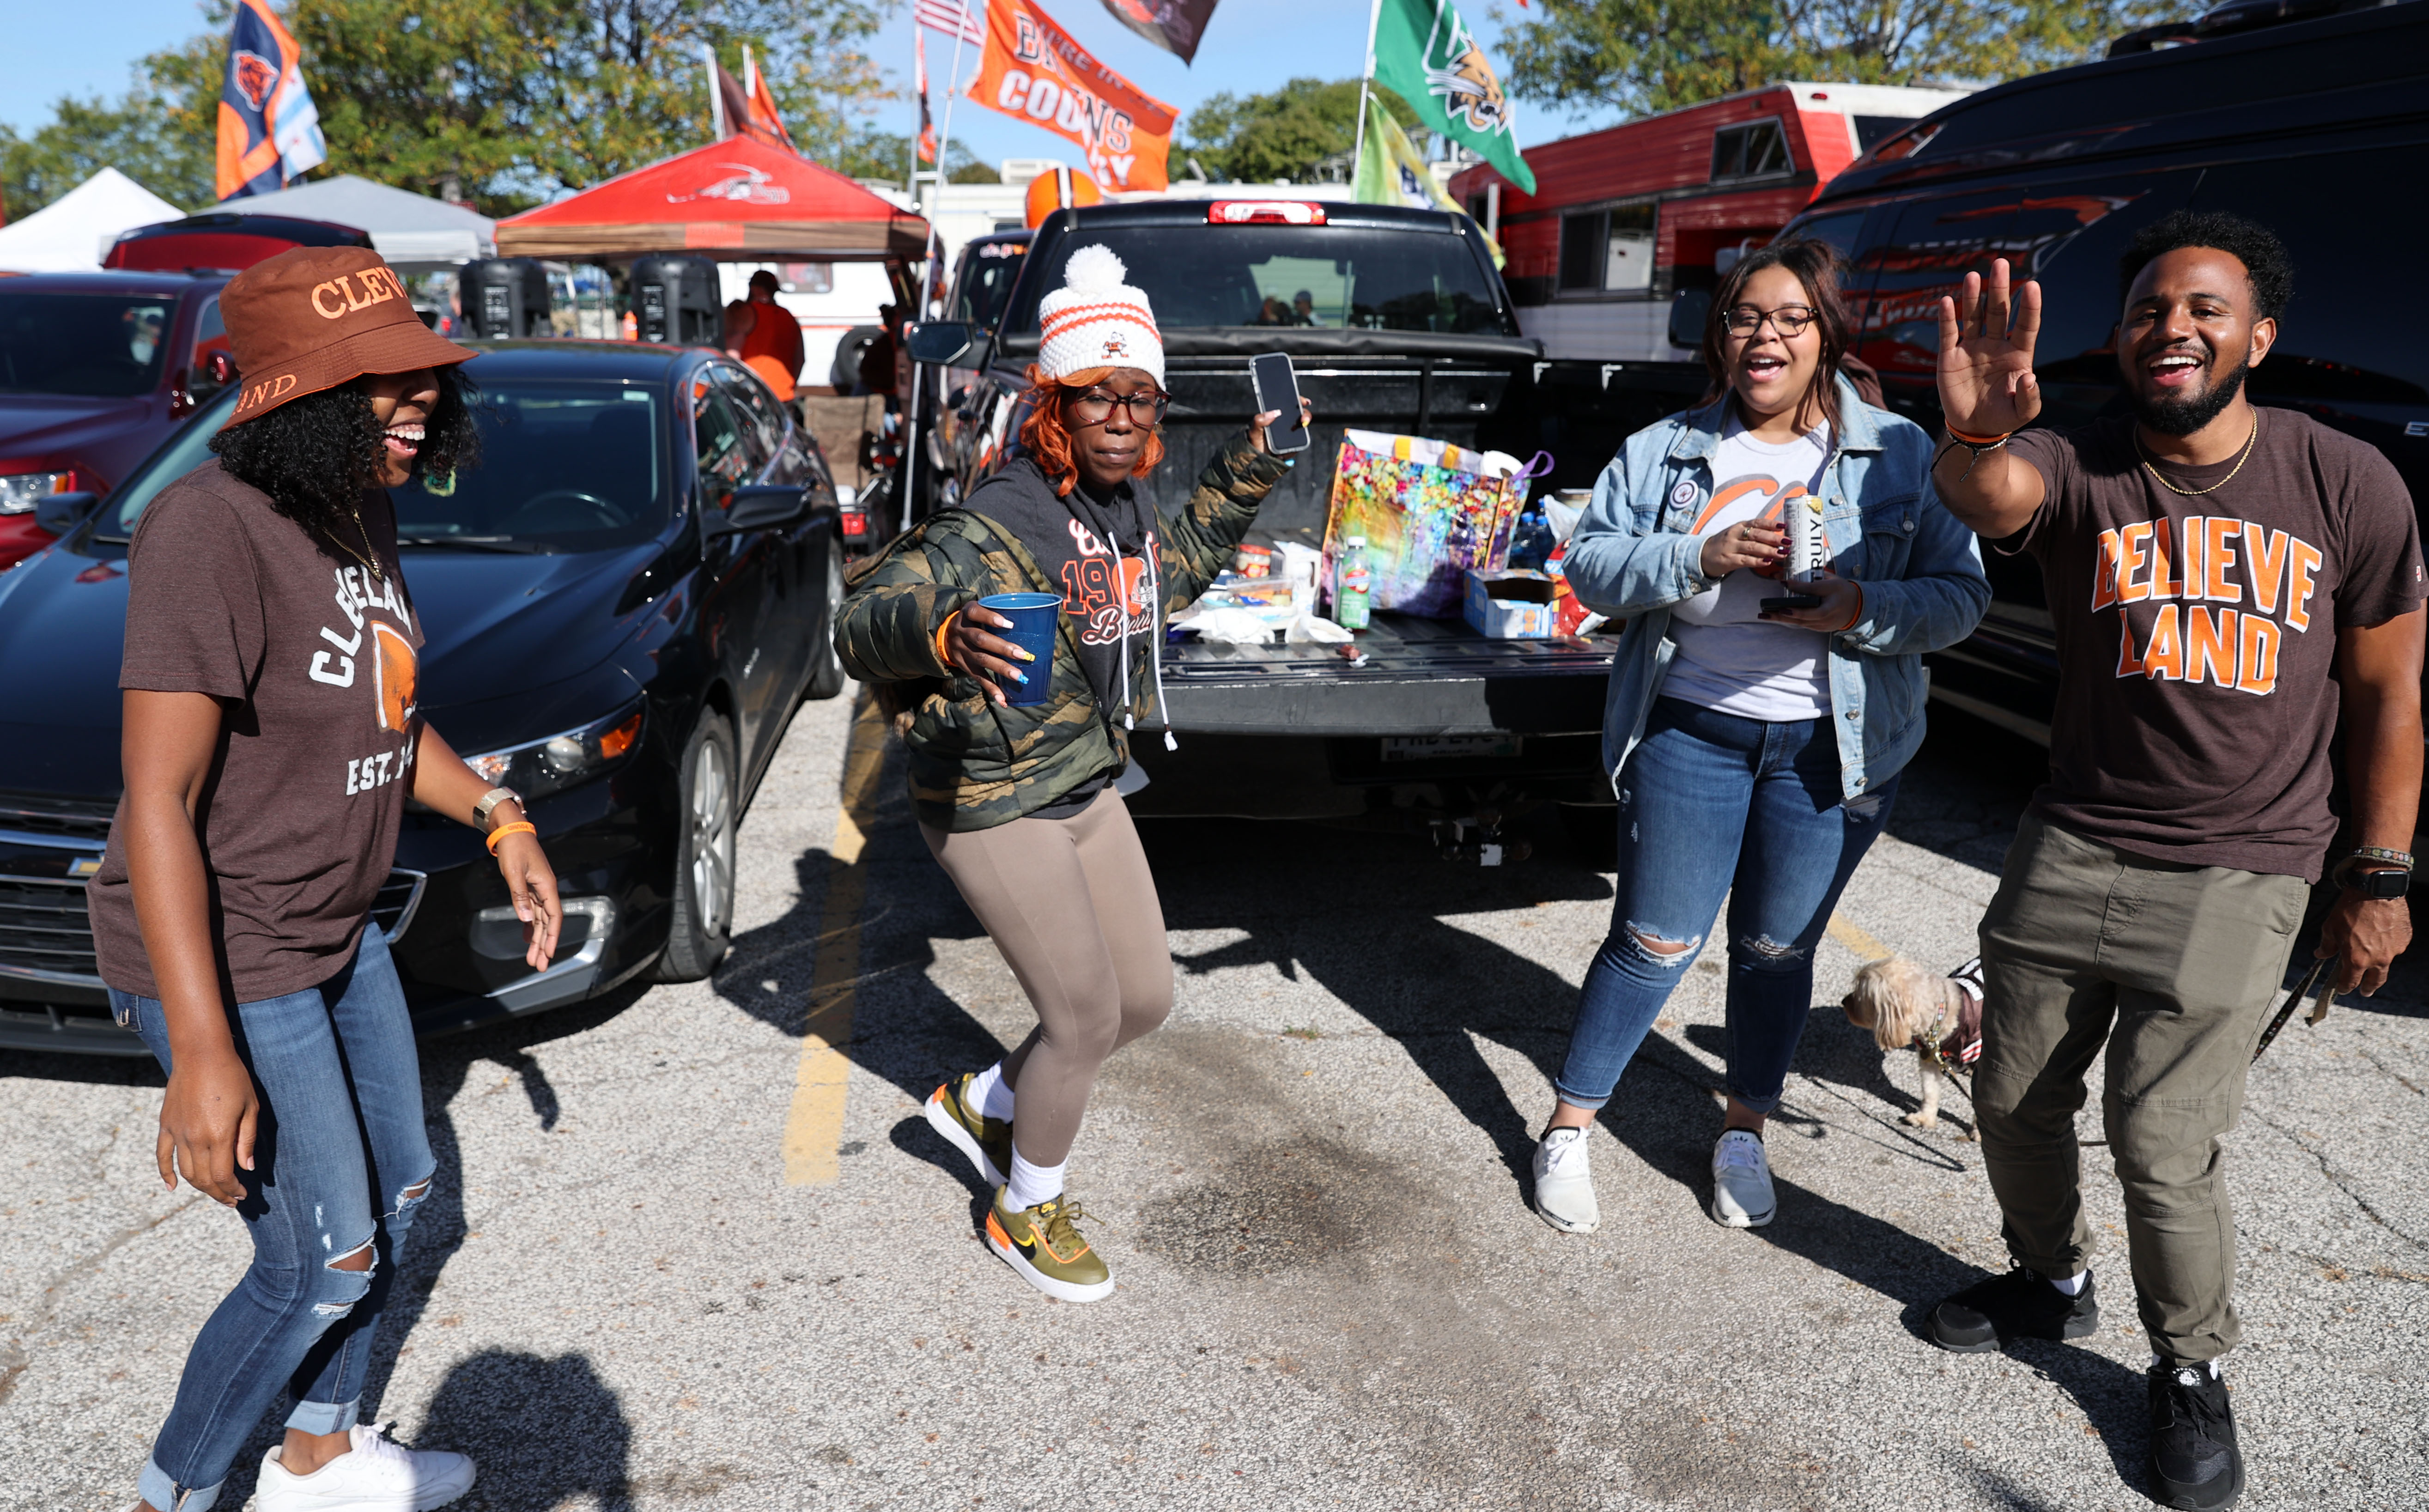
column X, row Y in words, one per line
column 1856, row 940
column 823, row 1077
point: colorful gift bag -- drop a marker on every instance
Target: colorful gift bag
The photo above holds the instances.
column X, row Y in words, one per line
column 1430, row 512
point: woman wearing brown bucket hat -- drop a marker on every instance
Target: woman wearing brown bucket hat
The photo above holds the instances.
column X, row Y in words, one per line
column 272, row 738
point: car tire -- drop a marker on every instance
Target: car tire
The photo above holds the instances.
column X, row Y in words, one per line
column 710, row 796
column 826, row 668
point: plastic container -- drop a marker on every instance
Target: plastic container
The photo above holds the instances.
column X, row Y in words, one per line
column 1352, row 580
column 1033, row 617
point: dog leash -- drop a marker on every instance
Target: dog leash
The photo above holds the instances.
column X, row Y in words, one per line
column 2322, row 973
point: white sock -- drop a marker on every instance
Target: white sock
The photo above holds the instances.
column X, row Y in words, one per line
column 1031, row 1184
column 2164, row 1362
column 993, row 1099
column 2073, row 1285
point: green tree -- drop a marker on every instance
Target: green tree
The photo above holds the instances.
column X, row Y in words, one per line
column 1647, row 56
column 1281, row 135
column 504, row 103
column 886, row 155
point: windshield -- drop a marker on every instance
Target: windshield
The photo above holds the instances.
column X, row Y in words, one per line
column 100, row 346
column 1335, row 277
column 987, row 284
column 566, row 467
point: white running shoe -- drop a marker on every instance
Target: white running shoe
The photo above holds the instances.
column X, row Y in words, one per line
column 1565, row 1194
column 1742, row 1196
column 378, row 1476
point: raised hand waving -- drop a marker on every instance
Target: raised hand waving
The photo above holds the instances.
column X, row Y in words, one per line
column 1985, row 368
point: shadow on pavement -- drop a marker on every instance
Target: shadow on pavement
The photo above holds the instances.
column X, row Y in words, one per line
column 542, row 1432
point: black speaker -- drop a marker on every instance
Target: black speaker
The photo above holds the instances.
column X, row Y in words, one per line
column 505, row 297
column 674, row 301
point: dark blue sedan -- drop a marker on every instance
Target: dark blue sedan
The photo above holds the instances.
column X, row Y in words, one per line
column 624, row 604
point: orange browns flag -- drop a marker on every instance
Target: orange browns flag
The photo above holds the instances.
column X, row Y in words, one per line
column 760, row 116
column 1032, row 69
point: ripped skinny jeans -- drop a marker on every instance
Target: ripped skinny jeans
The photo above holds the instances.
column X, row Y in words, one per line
column 1713, row 804
column 340, row 1162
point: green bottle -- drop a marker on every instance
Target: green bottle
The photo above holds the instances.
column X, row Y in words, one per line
column 1351, row 580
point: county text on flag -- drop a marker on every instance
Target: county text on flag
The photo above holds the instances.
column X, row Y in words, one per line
column 1033, row 70
column 1427, row 55
column 954, row 19
column 269, row 131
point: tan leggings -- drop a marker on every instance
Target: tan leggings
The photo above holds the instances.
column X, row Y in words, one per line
column 1072, row 906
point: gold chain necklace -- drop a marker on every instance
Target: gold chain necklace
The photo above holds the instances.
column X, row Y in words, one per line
column 2163, row 482
column 371, row 562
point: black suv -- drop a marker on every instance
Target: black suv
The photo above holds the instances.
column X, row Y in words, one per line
column 2314, row 128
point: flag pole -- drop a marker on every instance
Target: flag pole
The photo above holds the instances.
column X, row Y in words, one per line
column 1365, row 77
column 715, row 96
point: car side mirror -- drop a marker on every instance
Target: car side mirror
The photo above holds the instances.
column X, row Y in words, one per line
column 61, row 513
column 1688, row 313
column 757, row 507
column 940, row 341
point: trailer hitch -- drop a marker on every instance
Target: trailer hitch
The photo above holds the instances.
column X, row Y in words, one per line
column 1477, row 839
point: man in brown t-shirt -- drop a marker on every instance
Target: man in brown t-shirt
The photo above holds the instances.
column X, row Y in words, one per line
column 2225, row 584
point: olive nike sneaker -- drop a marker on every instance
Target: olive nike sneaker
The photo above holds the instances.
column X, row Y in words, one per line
column 987, row 1140
column 1041, row 1244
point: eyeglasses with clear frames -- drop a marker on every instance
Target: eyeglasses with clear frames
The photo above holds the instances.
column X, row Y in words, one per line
column 1788, row 320
column 1096, row 406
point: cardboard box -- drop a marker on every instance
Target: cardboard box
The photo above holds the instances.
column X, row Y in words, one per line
column 1512, row 605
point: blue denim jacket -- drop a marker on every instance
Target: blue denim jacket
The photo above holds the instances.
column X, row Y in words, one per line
column 1882, row 524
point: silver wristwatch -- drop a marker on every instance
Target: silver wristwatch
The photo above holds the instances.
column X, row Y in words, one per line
column 490, row 801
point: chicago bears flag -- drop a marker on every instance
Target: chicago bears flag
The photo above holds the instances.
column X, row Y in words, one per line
column 269, row 131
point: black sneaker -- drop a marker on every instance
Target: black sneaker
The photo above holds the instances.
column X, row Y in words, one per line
column 2018, row 1305
column 2194, row 1461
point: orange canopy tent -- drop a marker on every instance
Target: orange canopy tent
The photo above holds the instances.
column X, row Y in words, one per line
column 736, row 199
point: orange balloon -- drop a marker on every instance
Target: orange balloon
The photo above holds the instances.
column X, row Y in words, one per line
column 1059, row 189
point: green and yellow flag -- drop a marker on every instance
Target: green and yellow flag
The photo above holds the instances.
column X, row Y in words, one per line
column 1391, row 171
column 1427, row 55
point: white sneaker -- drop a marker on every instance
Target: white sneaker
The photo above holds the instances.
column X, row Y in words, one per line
column 1742, row 1196
column 1565, row 1194
column 378, row 1476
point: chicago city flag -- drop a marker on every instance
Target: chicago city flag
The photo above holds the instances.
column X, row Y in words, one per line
column 269, row 131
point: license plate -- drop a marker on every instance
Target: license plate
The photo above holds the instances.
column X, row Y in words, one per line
column 1449, row 747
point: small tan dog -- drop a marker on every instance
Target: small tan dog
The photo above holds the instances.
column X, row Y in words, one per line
column 1903, row 1004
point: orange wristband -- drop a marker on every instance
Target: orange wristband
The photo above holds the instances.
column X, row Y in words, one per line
column 944, row 625
column 1956, row 434
column 520, row 826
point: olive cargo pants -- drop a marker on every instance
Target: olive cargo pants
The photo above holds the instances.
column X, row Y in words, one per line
column 2175, row 967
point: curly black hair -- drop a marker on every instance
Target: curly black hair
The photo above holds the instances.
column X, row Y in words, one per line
column 317, row 456
column 2249, row 242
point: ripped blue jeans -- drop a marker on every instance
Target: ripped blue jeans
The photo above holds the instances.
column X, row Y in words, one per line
column 340, row 1162
column 1713, row 804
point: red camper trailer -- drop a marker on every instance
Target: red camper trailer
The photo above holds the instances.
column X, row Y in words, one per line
column 1632, row 224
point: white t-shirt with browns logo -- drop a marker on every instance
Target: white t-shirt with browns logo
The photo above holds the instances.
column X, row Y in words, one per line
column 1729, row 658
column 316, row 662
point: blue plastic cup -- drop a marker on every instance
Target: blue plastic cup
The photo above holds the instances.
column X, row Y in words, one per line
column 1033, row 617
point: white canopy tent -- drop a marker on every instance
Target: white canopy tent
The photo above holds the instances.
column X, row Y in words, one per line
column 73, row 233
column 415, row 233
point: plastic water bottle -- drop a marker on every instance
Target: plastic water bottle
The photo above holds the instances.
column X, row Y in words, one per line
column 1351, row 580
column 1531, row 541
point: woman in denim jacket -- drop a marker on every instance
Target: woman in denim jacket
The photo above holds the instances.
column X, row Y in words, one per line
column 1755, row 752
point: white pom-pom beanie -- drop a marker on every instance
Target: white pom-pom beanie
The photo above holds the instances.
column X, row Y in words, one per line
column 1097, row 320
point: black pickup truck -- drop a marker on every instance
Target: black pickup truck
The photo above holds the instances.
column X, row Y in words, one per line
column 1412, row 333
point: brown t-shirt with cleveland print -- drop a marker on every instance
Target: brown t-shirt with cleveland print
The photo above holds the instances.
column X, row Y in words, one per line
column 315, row 659
column 2197, row 634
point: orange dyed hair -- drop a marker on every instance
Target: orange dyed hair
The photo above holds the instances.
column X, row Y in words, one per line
column 1045, row 439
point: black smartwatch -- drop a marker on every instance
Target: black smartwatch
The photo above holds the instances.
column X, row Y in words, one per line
column 2388, row 883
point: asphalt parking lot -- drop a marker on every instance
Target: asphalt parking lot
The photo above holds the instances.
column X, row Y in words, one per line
column 694, row 1247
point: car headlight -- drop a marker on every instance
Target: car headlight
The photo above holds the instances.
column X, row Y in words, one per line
column 561, row 762
column 20, row 491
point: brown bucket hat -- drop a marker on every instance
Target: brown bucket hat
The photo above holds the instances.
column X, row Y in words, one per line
column 313, row 318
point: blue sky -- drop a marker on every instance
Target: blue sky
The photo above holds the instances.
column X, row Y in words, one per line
column 1250, row 45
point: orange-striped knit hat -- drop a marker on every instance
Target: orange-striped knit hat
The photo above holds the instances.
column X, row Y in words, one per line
column 1097, row 320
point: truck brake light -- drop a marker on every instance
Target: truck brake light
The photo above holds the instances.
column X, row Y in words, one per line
column 1264, row 212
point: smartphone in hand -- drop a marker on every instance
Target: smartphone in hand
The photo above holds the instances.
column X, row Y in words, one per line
column 1277, row 387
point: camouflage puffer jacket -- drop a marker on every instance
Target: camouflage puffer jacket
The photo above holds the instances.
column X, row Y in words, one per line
column 974, row 763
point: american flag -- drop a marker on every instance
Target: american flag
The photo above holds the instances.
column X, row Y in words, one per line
column 952, row 17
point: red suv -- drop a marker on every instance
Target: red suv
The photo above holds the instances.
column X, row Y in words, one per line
column 95, row 370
